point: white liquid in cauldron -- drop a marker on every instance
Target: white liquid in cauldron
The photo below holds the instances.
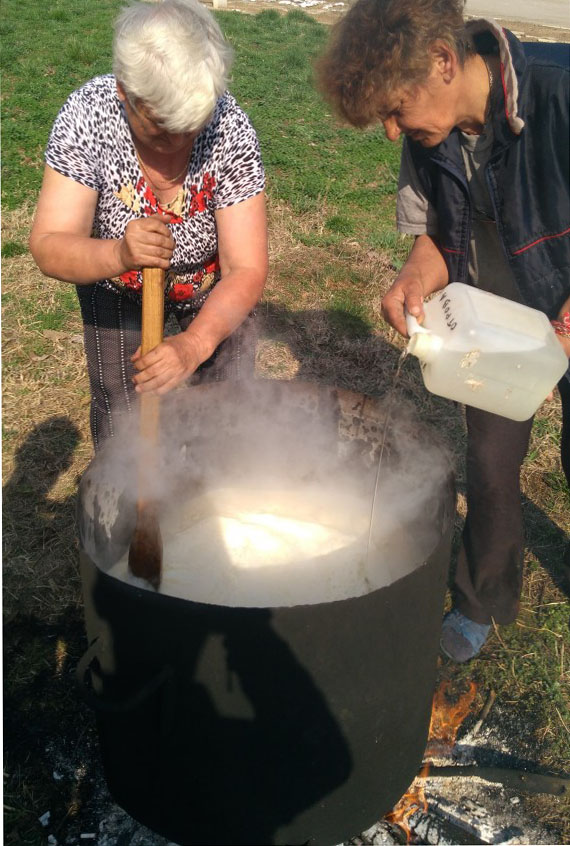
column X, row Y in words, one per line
column 268, row 549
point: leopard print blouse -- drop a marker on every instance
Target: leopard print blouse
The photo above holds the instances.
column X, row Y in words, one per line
column 91, row 143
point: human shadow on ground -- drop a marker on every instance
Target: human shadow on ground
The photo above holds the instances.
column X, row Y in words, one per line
column 48, row 733
column 38, row 538
column 548, row 543
column 333, row 347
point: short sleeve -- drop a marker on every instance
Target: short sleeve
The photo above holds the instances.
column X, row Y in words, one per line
column 241, row 174
column 415, row 215
column 71, row 150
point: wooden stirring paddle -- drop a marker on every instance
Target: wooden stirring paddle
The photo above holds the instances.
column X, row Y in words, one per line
column 145, row 552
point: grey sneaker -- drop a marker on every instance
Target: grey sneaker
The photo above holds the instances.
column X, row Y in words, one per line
column 461, row 638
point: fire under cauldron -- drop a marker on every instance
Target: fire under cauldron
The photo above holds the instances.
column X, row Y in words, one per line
column 296, row 721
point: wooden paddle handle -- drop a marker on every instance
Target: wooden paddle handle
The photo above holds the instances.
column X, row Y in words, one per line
column 152, row 334
column 152, row 308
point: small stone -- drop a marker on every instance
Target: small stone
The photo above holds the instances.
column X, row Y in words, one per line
column 52, row 841
column 515, row 800
column 44, row 819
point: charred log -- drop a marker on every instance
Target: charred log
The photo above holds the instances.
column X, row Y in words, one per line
column 514, row 779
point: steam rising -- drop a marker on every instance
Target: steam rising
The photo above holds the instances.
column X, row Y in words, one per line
column 266, row 491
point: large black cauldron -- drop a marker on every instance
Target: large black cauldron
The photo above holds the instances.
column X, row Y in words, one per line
column 285, row 725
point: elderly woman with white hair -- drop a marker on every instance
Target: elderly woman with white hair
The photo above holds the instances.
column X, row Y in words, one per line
column 156, row 166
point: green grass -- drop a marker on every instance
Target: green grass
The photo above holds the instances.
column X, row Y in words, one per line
column 338, row 187
column 524, row 667
column 47, row 51
column 311, row 162
column 13, row 248
column 54, row 315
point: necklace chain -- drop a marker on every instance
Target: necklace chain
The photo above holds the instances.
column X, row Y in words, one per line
column 171, row 180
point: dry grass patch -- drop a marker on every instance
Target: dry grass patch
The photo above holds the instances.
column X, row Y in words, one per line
column 46, row 443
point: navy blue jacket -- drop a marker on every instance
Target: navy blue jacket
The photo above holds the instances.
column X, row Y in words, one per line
column 527, row 175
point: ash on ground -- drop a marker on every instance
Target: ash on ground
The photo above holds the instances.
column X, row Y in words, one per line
column 470, row 809
column 450, row 810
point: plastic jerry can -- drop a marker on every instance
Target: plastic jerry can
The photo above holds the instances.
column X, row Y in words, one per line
column 486, row 351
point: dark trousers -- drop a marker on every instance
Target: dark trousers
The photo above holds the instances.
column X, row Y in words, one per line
column 112, row 334
column 488, row 576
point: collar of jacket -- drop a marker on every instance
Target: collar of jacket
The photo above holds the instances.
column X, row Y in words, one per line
column 490, row 38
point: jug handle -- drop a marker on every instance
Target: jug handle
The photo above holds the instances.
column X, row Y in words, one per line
column 413, row 326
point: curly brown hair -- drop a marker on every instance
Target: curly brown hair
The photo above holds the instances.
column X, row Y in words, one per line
column 381, row 46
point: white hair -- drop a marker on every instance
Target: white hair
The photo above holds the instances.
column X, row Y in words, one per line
column 172, row 57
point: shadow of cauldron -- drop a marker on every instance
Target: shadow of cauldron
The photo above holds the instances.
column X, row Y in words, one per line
column 259, row 725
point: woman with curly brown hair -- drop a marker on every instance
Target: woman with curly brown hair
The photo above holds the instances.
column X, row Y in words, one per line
column 484, row 187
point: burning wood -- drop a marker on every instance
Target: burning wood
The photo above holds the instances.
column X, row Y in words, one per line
column 411, row 812
column 408, row 806
column 447, row 717
column 462, row 803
